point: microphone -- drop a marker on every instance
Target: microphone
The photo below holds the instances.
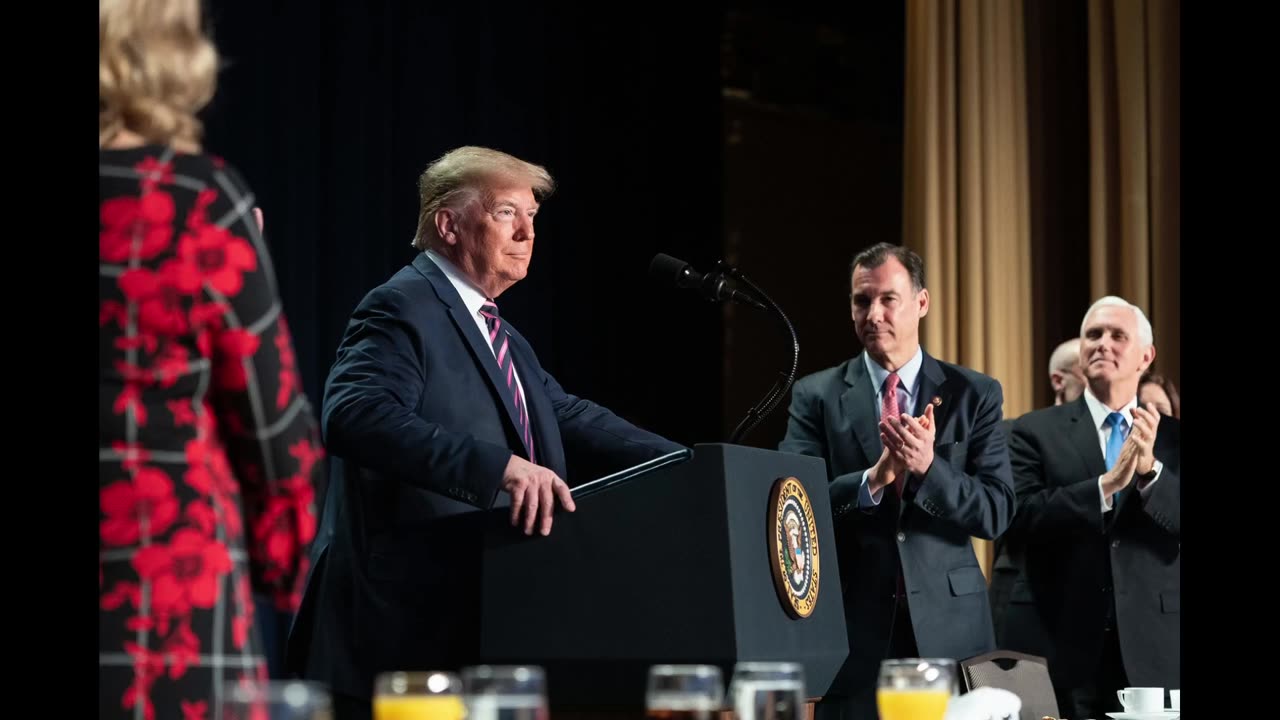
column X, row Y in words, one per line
column 714, row 286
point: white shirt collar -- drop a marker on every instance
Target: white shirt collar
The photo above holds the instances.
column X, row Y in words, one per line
column 907, row 374
column 1100, row 411
column 471, row 295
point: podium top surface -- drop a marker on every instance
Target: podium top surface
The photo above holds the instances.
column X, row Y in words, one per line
column 622, row 476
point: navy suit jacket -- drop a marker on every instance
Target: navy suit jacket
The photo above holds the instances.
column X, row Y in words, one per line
column 967, row 492
column 419, row 426
column 1077, row 559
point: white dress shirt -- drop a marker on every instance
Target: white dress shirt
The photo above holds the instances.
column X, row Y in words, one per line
column 1099, row 412
column 473, row 297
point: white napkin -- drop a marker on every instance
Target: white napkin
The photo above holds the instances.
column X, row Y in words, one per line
column 984, row 703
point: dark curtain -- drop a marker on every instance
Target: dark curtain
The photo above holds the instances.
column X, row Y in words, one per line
column 331, row 111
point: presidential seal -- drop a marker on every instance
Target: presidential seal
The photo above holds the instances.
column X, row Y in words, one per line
column 793, row 547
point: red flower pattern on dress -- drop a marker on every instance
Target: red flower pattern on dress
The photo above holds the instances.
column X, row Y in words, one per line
column 147, row 667
column 183, row 649
column 145, row 221
column 183, row 413
column 121, row 592
column 132, row 454
column 171, row 363
column 286, row 525
column 233, row 346
column 178, row 290
column 195, row 710
column 209, row 473
column 207, row 316
column 160, row 297
column 147, row 501
column 198, row 217
column 220, row 258
column 288, row 370
column 244, row 613
column 308, row 454
column 109, row 311
column 185, row 573
column 154, row 173
column 130, row 398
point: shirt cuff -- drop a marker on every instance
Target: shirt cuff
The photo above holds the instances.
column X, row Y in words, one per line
column 1144, row 488
column 865, row 498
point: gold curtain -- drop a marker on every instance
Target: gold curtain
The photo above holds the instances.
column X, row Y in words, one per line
column 966, row 201
column 1134, row 132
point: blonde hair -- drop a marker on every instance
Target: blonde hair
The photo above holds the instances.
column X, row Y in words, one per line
column 156, row 70
column 464, row 175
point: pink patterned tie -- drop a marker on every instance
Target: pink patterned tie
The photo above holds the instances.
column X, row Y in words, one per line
column 499, row 338
column 889, row 409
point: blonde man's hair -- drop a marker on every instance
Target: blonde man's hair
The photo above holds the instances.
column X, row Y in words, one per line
column 465, row 175
column 156, row 70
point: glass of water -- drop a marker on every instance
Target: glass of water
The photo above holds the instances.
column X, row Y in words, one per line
column 768, row 691
column 684, row 692
column 505, row 692
column 275, row 700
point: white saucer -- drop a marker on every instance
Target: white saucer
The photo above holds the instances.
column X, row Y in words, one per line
column 1155, row 715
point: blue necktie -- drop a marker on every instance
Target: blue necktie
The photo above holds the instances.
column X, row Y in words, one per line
column 1116, row 440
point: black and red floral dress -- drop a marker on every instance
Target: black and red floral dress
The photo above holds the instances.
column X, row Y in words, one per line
column 208, row 449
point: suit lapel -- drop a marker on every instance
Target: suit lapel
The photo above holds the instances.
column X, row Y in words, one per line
column 932, row 384
column 1084, row 437
column 859, row 402
column 481, row 351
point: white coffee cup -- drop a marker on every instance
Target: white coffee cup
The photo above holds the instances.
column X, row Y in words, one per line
column 1175, row 699
column 1141, row 699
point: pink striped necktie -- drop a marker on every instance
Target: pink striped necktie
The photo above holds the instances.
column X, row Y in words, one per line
column 889, row 409
column 500, row 339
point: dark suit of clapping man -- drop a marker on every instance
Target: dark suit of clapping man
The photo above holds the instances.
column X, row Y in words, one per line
column 918, row 465
column 436, row 408
column 1099, row 524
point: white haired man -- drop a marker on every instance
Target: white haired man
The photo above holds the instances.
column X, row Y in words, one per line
column 1099, row 517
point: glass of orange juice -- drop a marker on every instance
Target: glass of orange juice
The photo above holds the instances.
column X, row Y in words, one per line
column 915, row 688
column 418, row 696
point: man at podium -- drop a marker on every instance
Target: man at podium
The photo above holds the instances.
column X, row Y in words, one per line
column 917, row 464
column 437, row 408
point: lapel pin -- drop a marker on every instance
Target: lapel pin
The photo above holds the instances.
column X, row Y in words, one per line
column 937, row 401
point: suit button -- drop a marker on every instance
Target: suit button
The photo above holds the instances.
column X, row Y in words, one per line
column 902, row 537
column 1115, row 543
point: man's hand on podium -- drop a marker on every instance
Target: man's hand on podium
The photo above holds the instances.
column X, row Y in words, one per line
column 533, row 490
